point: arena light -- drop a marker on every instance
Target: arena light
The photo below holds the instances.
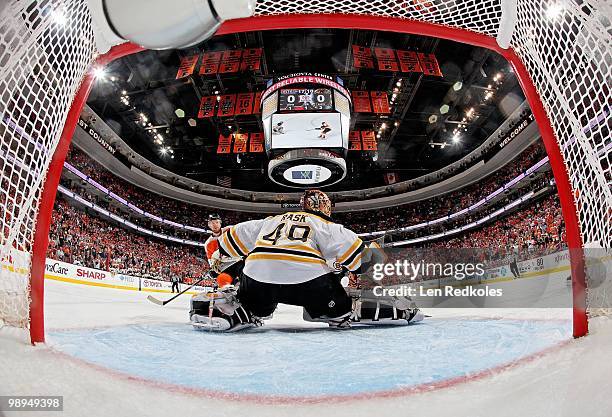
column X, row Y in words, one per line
column 59, row 18
column 444, row 109
column 554, row 11
column 458, row 86
column 99, row 73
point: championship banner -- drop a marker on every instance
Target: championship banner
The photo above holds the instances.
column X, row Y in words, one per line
column 251, row 59
column 361, row 102
column 225, row 144
column 256, row 143
column 409, row 61
column 230, row 62
column 244, row 103
column 240, row 142
column 257, row 104
column 210, row 63
column 369, row 140
column 207, row 107
column 354, row 141
column 187, row 66
column 226, row 105
column 430, row 65
column 362, row 57
column 380, row 102
column 386, row 59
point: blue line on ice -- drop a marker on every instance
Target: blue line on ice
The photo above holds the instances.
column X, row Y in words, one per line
column 311, row 362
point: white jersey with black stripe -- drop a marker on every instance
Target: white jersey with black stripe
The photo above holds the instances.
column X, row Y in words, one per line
column 292, row 248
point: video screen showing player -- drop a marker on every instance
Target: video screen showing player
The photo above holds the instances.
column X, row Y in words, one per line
column 305, row 99
column 301, row 130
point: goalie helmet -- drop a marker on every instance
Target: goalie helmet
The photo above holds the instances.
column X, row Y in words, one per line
column 316, row 201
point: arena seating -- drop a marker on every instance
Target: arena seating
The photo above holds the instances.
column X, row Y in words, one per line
column 81, row 237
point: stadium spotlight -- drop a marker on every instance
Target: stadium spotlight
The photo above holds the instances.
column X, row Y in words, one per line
column 59, row 18
column 162, row 24
column 99, row 73
column 554, row 11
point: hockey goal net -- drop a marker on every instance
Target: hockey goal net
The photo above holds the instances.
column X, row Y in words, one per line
column 560, row 50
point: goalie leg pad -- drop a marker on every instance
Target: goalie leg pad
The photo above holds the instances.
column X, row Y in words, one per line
column 377, row 311
column 227, row 313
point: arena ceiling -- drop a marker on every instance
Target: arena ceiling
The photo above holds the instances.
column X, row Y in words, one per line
column 434, row 121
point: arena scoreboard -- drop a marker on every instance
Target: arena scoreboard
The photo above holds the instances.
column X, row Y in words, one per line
column 305, row 99
column 306, row 119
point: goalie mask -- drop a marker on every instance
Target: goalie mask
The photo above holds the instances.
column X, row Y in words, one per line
column 316, row 201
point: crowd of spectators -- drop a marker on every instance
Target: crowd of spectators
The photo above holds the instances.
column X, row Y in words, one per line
column 79, row 237
column 531, row 232
column 360, row 221
column 168, row 208
column 418, row 212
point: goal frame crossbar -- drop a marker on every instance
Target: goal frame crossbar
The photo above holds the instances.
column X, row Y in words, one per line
column 335, row 21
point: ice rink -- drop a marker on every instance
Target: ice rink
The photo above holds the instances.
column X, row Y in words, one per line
column 111, row 352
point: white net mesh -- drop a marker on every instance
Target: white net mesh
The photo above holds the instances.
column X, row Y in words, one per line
column 45, row 49
column 567, row 49
column 46, row 46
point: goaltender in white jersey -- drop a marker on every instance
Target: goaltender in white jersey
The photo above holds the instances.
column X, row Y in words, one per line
column 292, row 248
column 287, row 261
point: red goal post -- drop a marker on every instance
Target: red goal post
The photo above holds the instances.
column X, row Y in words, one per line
column 550, row 59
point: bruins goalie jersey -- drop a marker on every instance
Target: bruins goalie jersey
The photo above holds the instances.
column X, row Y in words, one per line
column 291, row 248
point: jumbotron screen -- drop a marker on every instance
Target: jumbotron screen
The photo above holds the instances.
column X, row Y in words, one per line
column 305, row 99
column 306, row 130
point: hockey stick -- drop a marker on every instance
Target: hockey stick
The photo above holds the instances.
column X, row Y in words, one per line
column 163, row 303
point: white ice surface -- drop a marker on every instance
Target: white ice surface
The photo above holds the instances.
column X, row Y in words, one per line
column 575, row 380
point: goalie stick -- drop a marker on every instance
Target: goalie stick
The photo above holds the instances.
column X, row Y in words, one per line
column 163, row 303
